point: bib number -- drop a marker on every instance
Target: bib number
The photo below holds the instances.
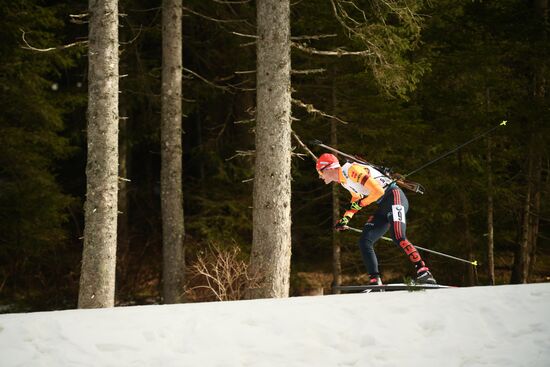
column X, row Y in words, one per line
column 398, row 212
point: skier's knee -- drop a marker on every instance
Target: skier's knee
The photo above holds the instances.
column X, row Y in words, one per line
column 410, row 250
column 366, row 245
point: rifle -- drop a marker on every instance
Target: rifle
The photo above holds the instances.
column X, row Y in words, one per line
column 395, row 177
column 400, row 179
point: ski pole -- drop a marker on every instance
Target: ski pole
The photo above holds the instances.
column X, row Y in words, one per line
column 474, row 262
column 503, row 123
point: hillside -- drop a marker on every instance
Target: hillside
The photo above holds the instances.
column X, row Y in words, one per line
column 481, row 326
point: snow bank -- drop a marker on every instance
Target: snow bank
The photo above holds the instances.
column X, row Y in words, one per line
column 481, row 326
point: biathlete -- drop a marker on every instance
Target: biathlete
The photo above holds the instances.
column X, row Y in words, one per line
column 368, row 185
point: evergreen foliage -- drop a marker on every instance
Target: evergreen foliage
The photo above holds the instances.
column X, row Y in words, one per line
column 33, row 206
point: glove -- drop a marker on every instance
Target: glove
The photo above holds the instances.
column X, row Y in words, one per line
column 341, row 225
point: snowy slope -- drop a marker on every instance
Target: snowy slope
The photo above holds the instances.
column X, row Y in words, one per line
column 482, row 326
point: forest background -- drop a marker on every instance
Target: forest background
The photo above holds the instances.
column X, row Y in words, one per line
column 454, row 71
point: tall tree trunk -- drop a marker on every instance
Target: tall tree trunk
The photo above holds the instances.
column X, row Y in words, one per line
column 123, row 247
column 271, row 238
column 540, row 86
column 467, row 239
column 521, row 260
column 524, row 262
column 534, row 218
column 490, row 201
column 490, row 215
column 173, row 274
column 123, row 173
column 97, row 279
column 336, row 238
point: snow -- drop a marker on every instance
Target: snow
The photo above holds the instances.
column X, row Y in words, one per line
column 479, row 326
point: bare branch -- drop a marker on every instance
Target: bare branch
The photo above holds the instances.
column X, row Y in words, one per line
column 304, row 147
column 244, row 121
column 231, row 2
column 341, row 15
column 245, row 35
column 213, row 19
column 248, row 44
column 312, row 110
column 63, row 47
column 318, row 37
column 242, row 153
column 145, row 10
column 337, row 52
column 357, row 28
column 306, row 72
column 78, row 18
column 206, row 80
column 243, row 89
column 133, row 39
column 299, row 155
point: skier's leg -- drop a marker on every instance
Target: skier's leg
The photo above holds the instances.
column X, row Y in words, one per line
column 398, row 230
column 375, row 228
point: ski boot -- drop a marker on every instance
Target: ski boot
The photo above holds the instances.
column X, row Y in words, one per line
column 375, row 279
column 424, row 276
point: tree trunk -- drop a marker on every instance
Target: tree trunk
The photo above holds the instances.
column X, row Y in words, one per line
column 336, row 238
column 490, row 202
column 173, row 274
column 271, row 238
column 524, row 261
column 540, row 86
column 123, row 247
column 490, row 215
column 521, row 259
column 97, row 279
column 467, row 239
column 534, row 218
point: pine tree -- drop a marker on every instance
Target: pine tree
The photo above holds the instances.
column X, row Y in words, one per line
column 34, row 105
column 97, row 279
column 171, row 149
column 271, row 245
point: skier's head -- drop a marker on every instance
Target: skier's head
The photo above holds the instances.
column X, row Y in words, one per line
column 326, row 161
column 325, row 165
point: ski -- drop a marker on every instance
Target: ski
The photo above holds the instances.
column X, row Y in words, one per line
column 389, row 287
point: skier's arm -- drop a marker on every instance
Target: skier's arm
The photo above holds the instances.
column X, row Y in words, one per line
column 376, row 192
column 362, row 175
column 358, row 203
column 343, row 222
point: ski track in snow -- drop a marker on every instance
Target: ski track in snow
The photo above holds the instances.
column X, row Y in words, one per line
column 480, row 326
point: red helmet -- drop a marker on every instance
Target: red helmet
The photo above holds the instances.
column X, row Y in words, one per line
column 325, row 161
